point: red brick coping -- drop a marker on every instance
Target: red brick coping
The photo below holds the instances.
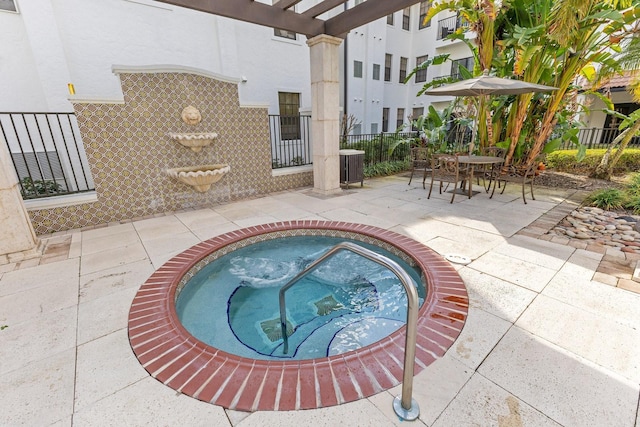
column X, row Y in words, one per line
column 174, row 357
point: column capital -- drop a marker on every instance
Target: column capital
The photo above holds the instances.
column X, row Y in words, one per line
column 324, row 38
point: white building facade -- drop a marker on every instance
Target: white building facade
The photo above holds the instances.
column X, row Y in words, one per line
column 51, row 44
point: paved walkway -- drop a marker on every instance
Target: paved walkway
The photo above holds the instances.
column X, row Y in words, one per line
column 547, row 342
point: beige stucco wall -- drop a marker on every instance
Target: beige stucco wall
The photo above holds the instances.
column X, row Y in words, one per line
column 129, row 149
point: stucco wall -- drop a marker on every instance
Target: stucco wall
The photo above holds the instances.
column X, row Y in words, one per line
column 129, row 150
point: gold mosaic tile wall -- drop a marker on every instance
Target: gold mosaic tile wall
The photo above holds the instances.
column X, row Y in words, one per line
column 129, row 149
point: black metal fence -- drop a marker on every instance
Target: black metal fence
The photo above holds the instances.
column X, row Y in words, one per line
column 598, row 138
column 290, row 141
column 47, row 153
column 381, row 147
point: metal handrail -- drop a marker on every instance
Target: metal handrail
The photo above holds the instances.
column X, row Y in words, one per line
column 405, row 407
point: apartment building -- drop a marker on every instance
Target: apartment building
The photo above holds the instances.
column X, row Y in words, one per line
column 380, row 55
column 49, row 45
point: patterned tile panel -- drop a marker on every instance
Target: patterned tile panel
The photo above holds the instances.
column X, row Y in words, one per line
column 129, row 149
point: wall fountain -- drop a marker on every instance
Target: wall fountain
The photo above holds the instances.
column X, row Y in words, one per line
column 203, row 176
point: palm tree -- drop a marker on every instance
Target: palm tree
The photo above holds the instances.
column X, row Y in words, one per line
column 548, row 42
column 630, row 125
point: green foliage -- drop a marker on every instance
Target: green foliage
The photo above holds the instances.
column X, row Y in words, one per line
column 382, row 148
column 633, row 187
column 633, row 204
column 31, row 188
column 297, row 161
column 613, row 198
column 386, row 168
column 607, row 199
column 566, row 161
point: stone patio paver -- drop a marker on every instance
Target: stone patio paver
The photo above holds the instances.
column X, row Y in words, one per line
column 550, row 373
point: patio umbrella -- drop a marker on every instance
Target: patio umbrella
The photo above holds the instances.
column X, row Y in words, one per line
column 487, row 85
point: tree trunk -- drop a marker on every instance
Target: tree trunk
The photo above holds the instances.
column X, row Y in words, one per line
column 605, row 169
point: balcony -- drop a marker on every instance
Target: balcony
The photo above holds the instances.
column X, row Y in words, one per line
column 449, row 25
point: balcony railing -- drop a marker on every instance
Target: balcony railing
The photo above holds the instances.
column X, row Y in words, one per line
column 598, row 138
column 290, row 141
column 449, row 25
column 47, row 153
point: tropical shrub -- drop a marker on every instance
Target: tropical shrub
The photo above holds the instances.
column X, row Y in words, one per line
column 386, row 168
column 565, row 161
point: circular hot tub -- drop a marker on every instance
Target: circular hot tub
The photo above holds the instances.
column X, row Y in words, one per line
column 171, row 354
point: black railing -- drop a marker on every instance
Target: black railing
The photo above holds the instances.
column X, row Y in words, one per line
column 377, row 147
column 598, row 138
column 290, row 141
column 448, row 26
column 47, row 153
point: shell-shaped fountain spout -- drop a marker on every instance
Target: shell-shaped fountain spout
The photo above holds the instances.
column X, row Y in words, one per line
column 200, row 177
column 195, row 141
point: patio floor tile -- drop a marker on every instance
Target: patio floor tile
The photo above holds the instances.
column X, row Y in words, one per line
column 105, row 282
column 149, row 403
column 496, row 296
column 40, row 393
column 48, row 334
column 112, row 258
column 483, row 403
column 436, row 387
column 522, row 273
column 480, row 334
column 105, row 366
column 567, row 388
column 104, row 315
column 600, row 340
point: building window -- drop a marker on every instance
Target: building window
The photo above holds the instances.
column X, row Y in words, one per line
column 376, row 71
column 289, row 103
column 403, row 69
column 281, row 33
column 8, row 5
column 424, row 9
column 415, row 113
column 39, row 166
column 390, row 19
column 357, row 129
column 421, row 75
column 374, row 128
column 387, row 67
column 467, row 63
column 406, row 18
column 357, row 69
column 400, row 118
column 385, row 120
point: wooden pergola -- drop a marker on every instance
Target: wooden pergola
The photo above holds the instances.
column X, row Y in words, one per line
column 282, row 13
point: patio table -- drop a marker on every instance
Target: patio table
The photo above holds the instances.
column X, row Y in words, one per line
column 472, row 161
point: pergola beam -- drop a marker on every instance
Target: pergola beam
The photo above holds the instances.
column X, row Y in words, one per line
column 286, row 4
column 255, row 13
column 362, row 14
column 281, row 16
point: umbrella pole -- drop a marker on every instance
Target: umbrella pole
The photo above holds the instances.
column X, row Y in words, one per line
column 474, row 132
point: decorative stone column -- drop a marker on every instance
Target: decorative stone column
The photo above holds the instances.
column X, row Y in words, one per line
column 325, row 113
column 18, row 241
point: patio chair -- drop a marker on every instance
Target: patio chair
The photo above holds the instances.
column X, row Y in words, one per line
column 519, row 175
column 421, row 160
column 489, row 172
column 445, row 168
